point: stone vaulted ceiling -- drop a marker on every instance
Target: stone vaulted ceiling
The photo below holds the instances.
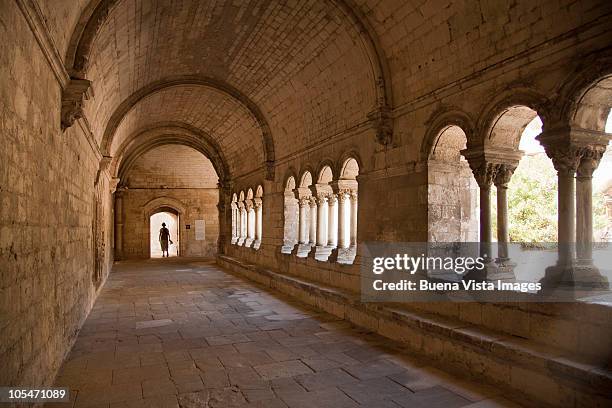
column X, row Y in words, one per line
column 291, row 73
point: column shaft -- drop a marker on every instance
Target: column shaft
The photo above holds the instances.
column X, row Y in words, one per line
column 343, row 231
column 332, row 230
column 353, row 219
column 302, row 227
column 312, row 233
column 322, row 214
column 502, row 222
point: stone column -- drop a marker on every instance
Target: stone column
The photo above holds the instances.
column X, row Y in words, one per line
column 322, row 213
column 485, row 165
column 332, row 230
column 305, row 218
column 485, row 174
column 353, row 234
column 118, row 224
column 501, row 181
column 250, row 233
column 312, row 233
column 242, row 223
column 258, row 222
column 234, row 223
column 589, row 161
column 304, row 204
column 344, row 237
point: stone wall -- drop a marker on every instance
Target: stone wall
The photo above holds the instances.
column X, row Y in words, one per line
column 193, row 204
column 47, row 265
column 170, row 176
column 448, row 77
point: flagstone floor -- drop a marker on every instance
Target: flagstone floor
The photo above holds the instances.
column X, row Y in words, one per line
column 185, row 333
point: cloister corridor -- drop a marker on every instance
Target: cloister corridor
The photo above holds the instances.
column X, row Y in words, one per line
column 181, row 332
column 362, row 203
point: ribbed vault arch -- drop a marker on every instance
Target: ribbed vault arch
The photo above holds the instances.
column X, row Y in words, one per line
column 165, row 133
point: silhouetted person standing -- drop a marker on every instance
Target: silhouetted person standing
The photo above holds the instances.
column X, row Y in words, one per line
column 164, row 237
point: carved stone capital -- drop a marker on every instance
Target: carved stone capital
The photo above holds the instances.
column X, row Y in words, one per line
column 566, row 158
column 591, row 156
column 342, row 185
column 304, row 202
column 566, row 146
column 72, row 101
column 322, row 198
column 382, row 121
column 257, row 202
column 487, row 163
column 504, row 174
column 332, row 199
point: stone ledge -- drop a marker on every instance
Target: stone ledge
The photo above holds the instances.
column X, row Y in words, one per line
column 450, row 341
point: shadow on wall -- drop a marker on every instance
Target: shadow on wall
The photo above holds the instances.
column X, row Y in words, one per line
column 172, row 223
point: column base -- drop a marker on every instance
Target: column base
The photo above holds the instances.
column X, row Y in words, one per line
column 234, row 240
column 240, row 241
column 502, row 269
column 577, row 275
column 248, row 242
column 256, row 244
column 322, row 253
column 346, row 255
column 303, row 250
column 288, row 248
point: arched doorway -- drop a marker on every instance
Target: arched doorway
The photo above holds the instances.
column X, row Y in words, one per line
column 169, row 217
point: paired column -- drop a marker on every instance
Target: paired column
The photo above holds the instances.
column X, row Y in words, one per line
column 242, row 223
column 344, row 236
column 312, row 232
column 322, row 215
column 303, row 226
column 235, row 222
column 575, row 154
column 250, row 221
column 306, row 218
column 344, row 243
column 493, row 165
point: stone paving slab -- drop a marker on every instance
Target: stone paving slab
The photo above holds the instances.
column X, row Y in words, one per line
column 181, row 334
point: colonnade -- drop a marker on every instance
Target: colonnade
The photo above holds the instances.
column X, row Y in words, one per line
column 575, row 154
column 327, row 220
column 247, row 222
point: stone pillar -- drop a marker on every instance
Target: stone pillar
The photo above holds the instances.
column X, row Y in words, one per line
column 250, row 221
column 344, row 237
column 501, row 181
column 574, row 150
column 322, row 213
column 305, row 218
column 353, row 233
column 242, row 222
column 312, row 233
column 304, row 204
column 118, row 224
column 234, row 223
column 484, row 177
column 485, row 165
column 225, row 214
column 332, row 230
column 258, row 222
